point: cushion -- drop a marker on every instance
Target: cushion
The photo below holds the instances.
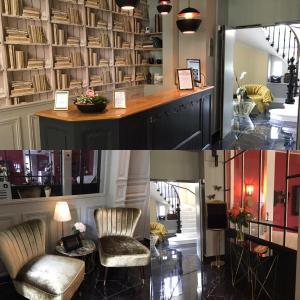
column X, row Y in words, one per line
column 50, row 277
column 123, row 251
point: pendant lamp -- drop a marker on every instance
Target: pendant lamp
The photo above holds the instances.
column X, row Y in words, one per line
column 127, row 4
column 164, row 7
column 189, row 21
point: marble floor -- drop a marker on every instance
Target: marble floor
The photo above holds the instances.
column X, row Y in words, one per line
column 122, row 284
column 176, row 273
column 262, row 134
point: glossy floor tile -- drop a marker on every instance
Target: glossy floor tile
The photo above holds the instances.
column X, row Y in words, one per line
column 262, row 134
column 176, row 273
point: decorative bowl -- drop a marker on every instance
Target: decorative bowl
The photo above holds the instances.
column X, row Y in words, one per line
column 91, row 108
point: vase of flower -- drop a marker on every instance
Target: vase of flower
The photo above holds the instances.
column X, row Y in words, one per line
column 80, row 229
column 47, row 190
column 240, row 236
column 241, row 217
column 91, row 103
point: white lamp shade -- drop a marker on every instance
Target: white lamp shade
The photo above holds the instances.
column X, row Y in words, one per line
column 62, row 212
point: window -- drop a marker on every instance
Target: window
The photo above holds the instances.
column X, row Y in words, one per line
column 273, row 178
column 31, row 172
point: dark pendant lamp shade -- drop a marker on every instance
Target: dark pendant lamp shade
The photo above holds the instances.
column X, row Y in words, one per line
column 188, row 26
column 164, row 7
column 127, row 4
column 189, row 21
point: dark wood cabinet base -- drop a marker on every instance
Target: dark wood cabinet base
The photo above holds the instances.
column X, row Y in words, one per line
column 184, row 123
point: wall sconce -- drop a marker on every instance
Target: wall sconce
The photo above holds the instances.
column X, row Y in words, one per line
column 249, row 189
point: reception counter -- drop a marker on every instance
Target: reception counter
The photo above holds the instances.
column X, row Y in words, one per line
column 170, row 119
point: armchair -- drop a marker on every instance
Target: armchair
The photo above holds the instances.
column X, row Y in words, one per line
column 36, row 275
column 117, row 247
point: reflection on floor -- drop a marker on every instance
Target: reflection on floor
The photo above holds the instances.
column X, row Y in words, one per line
column 119, row 286
column 264, row 135
column 176, row 273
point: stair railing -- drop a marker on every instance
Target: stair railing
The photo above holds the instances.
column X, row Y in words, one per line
column 284, row 40
column 170, row 194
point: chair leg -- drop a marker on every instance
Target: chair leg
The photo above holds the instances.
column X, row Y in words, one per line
column 105, row 275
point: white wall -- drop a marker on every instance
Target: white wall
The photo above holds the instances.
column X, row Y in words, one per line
column 174, row 165
column 265, row 12
column 213, row 176
column 125, row 183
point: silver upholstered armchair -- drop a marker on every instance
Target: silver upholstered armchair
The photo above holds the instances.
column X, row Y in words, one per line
column 117, row 247
column 35, row 275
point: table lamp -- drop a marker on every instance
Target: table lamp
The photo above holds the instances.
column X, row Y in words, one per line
column 62, row 214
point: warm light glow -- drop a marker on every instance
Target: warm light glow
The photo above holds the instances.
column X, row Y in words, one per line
column 164, row 13
column 127, row 7
column 249, row 189
column 62, row 212
column 189, row 32
column 188, row 15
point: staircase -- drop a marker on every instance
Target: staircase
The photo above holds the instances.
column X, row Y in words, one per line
column 186, row 214
column 284, row 40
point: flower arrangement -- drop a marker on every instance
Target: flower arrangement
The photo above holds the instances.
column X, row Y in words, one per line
column 79, row 228
column 241, row 91
column 241, row 217
column 91, row 98
column 90, row 102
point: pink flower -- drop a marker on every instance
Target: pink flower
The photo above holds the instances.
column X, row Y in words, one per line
column 235, row 211
column 90, row 93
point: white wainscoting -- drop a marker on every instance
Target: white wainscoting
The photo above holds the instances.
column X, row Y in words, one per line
column 19, row 128
column 82, row 209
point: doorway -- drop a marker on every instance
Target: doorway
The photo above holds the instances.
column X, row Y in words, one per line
column 261, row 90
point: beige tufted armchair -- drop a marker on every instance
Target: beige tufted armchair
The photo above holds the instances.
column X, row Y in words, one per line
column 117, row 247
column 35, row 275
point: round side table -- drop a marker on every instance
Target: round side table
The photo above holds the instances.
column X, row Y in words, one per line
column 86, row 253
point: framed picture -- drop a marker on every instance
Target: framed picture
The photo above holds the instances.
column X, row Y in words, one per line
column 61, row 100
column 120, row 99
column 185, row 79
column 195, row 65
column 72, row 242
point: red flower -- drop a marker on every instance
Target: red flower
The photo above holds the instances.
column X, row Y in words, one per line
column 235, row 211
column 248, row 210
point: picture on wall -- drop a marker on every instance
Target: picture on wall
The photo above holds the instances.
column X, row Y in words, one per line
column 195, row 65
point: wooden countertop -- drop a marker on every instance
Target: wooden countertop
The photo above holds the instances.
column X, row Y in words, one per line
column 134, row 105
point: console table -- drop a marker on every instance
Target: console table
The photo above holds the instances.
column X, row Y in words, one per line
column 258, row 269
column 170, row 119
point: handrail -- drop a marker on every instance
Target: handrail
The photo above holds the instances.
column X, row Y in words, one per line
column 169, row 191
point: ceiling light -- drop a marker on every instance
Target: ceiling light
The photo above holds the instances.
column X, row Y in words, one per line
column 164, row 7
column 127, row 4
column 189, row 21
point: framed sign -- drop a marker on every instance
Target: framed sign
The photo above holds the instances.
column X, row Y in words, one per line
column 61, row 100
column 195, row 65
column 120, row 99
column 185, row 79
column 72, row 242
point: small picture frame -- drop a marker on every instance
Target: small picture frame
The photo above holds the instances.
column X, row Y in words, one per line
column 61, row 100
column 119, row 99
column 195, row 65
column 185, row 79
column 71, row 242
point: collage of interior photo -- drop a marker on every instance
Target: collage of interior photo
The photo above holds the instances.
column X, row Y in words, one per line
column 149, row 150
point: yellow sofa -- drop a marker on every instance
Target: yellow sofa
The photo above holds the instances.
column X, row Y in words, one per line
column 259, row 94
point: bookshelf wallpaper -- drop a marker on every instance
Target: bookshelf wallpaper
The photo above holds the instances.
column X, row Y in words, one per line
column 72, row 45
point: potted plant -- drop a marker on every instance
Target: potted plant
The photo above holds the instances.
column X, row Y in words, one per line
column 240, row 217
column 90, row 102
